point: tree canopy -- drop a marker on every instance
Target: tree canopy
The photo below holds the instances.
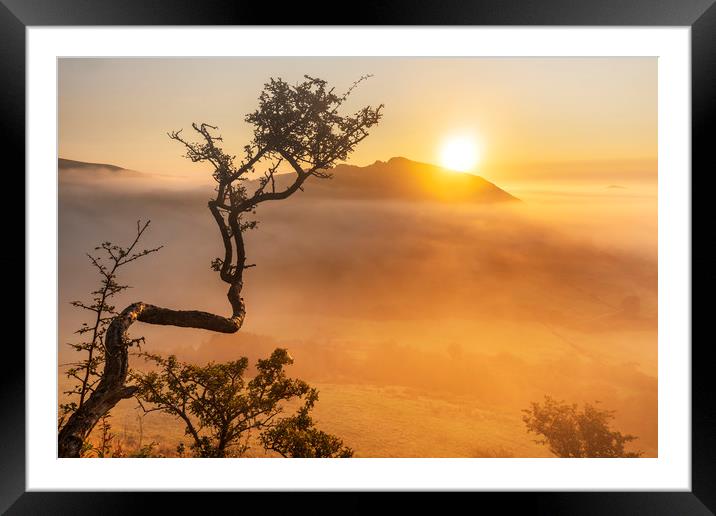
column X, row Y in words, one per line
column 220, row 408
column 299, row 126
column 570, row 432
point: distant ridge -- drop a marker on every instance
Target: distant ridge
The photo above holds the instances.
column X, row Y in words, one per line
column 77, row 172
column 401, row 178
column 63, row 164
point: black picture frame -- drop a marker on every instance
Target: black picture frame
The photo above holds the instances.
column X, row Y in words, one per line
column 700, row 15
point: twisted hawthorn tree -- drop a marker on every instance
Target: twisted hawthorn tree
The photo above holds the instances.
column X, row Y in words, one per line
column 298, row 126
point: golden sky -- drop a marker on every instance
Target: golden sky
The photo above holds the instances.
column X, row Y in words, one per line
column 517, row 110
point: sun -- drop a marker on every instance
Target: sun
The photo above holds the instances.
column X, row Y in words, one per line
column 459, row 153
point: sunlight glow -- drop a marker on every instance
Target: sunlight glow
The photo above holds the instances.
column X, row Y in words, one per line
column 460, row 154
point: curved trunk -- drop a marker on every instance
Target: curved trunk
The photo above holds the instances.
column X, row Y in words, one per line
column 111, row 388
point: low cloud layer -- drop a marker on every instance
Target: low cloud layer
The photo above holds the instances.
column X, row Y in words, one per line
column 491, row 304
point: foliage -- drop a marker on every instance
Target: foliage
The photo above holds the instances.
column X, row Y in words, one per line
column 219, row 408
column 86, row 372
column 108, row 446
column 570, row 432
column 146, row 451
column 296, row 436
column 303, row 122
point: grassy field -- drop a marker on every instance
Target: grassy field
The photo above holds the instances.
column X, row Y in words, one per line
column 374, row 421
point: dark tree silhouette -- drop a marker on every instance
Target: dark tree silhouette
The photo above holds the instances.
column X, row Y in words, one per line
column 297, row 436
column 296, row 125
column 570, row 432
column 86, row 373
column 219, row 408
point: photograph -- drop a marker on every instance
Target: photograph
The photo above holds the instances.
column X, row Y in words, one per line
column 452, row 244
column 357, row 257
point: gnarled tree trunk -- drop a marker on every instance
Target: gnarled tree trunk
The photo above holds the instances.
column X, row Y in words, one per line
column 111, row 388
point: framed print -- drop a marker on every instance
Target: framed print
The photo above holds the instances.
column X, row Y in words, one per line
column 448, row 251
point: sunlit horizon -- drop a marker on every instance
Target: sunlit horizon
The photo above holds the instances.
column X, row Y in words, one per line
column 460, row 153
column 119, row 110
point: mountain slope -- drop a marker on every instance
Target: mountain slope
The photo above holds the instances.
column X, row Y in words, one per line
column 72, row 170
column 401, row 178
column 65, row 164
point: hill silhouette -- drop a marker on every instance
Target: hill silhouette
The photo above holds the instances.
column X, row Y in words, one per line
column 401, row 178
column 398, row 178
column 73, row 171
column 65, row 164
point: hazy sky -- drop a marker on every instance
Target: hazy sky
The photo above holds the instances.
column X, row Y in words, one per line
column 518, row 110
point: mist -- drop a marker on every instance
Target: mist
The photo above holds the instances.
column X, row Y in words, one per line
column 405, row 312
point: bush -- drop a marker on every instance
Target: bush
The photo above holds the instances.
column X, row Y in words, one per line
column 570, row 432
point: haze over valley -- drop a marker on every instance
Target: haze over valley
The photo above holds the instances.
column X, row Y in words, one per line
column 428, row 306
